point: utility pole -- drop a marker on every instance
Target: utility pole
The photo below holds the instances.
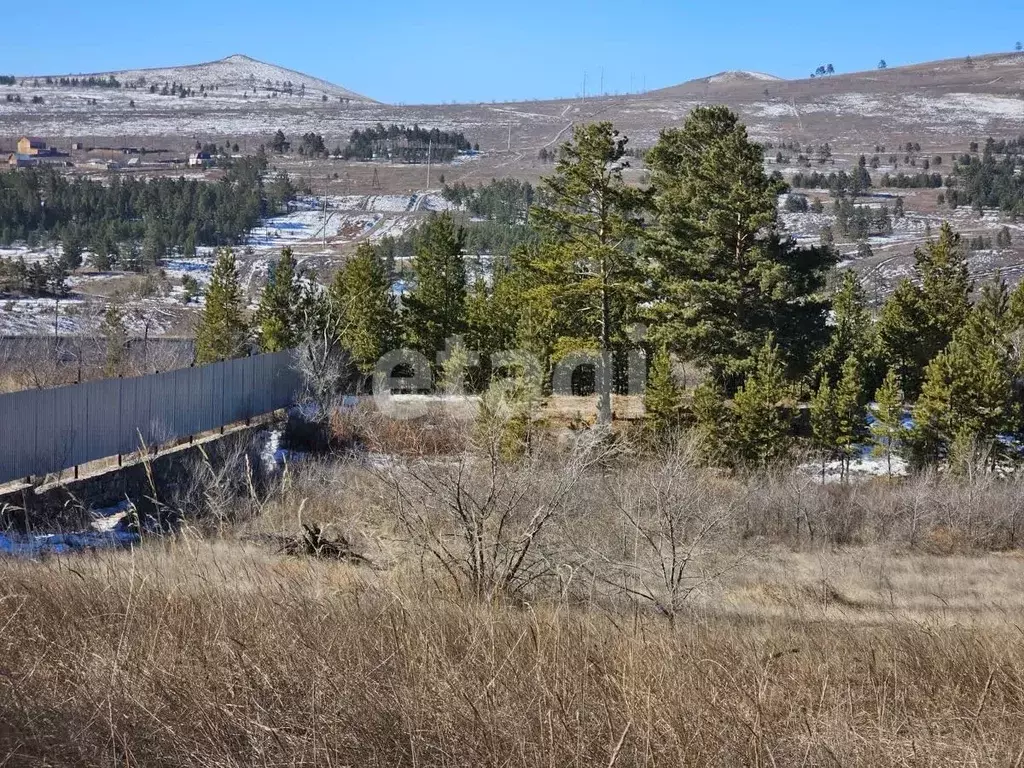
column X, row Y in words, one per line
column 430, row 151
column 56, row 329
column 584, row 86
column 510, row 136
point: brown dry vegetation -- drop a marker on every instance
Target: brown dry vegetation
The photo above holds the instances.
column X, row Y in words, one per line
column 661, row 615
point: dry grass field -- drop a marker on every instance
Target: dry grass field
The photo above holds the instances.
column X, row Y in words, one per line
column 582, row 607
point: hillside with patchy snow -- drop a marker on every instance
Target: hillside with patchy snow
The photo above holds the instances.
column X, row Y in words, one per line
column 237, row 74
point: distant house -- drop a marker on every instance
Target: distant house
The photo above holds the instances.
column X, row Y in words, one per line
column 29, row 145
column 103, row 164
column 36, row 147
column 200, row 159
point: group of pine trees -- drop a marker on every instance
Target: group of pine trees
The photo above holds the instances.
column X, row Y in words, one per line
column 695, row 267
column 407, row 144
column 131, row 223
column 933, row 379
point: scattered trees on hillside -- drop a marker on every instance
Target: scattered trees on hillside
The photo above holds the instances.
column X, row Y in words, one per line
column 407, row 144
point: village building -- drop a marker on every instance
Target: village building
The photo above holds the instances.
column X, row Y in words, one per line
column 33, row 147
column 200, row 159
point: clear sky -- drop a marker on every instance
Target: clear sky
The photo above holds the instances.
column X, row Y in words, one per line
column 418, row 52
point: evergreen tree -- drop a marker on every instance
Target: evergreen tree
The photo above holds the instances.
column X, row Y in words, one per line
column 838, row 417
column 584, row 275
column 435, row 310
column 71, row 247
column 918, row 322
column 851, row 330
column 887, row 425
column 222, row 332
column 945, row 287
column 824, row 422
column 723, row 274
column 278, row 315
column 714, row 423
column 761, row 427
column 115, row 336
column 968, row 394
column 493, row 311
column 899, row 336
column 851, row 407
column 662, row 398
column 367, row 309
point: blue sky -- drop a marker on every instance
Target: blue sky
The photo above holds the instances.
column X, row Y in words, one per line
column 420, row 52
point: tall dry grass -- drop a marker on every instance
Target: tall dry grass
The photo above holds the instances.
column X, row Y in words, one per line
column 199, row 654
column 581, row 606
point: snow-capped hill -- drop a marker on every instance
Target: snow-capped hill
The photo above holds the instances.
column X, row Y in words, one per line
column 739, row 75
column 236, row 73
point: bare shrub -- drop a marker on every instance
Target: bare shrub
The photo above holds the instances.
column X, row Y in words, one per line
column 671, row 531
column 483, row 518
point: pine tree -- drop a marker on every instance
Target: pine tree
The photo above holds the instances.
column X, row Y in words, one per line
column 367, row 309
column 435, row 310
column 968, row 393
column 714, row 423
column 824, row 422
column 723, row 274
column 222, row 332
column 493, row 312
column 115, row 335
column 838, row 417
column 945, row 287
column 662, row 398
column 761, row 432
column 917, row 323
column 887, row 425
column 851, row 330
column 584, row 276
column 850, row 406
column 278, row 314
column 900, row 331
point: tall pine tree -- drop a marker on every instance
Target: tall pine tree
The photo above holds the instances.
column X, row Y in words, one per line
column 223, row 332
column 584, row 275
column 279, row 315
column 968, row 394
column 361, row 295
column 917, row 322
column 723, row 274
column 850, row 330
column 435, row 309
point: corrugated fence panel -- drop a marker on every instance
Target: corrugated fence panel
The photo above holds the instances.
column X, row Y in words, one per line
column 103, row 413
column 134, row 420
column 70, row 436
column 18, row 432
column 45, row 431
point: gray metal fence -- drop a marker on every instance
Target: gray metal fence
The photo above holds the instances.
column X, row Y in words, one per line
column 49, row 430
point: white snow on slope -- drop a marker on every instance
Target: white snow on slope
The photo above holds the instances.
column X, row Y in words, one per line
column 741, row 74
